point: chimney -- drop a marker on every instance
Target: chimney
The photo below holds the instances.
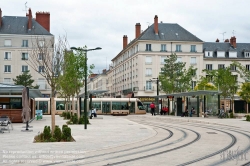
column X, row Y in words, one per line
column 43, row 18
column 156, row 24
column 233, row 41
column 226, row 41
column 104, row 71
column 217, row 40
column 125, row 41
column 0, row 17
column 29, row 19
column 137, row 30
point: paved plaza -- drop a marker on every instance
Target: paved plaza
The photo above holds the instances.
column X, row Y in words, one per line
column 133, row 140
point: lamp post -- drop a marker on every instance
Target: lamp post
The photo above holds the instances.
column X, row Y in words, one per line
column 157, row 91
column 85, row 81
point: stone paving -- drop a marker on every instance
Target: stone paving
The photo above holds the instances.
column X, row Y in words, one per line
column 122, row 140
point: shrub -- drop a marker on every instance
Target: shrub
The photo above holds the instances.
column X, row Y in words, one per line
column 81, row 120
column 231, row 115
column 66, row 134
column 68, row 115
column 57, row 134
column 172, row 113
column 74, row 119
column 248, row 118
column 64, row 114
column 52, row 139
column 47, row 133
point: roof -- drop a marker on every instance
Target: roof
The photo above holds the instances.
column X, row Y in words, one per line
column 95, row 92
column 169, row 32
column 227, row 47
column 192, row 93
column 17, row 90
column 19, row 25
column 166, row 32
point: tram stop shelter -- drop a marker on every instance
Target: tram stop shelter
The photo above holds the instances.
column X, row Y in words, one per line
column 201, row 100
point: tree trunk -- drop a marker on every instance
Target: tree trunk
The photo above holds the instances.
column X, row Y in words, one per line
column 53, row 109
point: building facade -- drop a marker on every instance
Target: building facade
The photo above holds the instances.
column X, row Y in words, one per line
column 17, row 37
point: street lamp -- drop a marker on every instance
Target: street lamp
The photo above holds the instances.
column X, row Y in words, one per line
column 85, row 81
column 157, row 91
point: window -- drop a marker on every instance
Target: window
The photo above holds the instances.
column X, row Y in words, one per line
column 24, row 56
column 41, row 69
column 178, row 59
column 233, row 68
column 148, row 47
column 25, row 43
column 247, row 54
column 148, row 72
column 7, row 68
column 7, row 80
column 209, row 66
column 208, row 54
column 7, row 43
column 24, row 68
column 235, row 77
column 137, row 48
column 194, row 73
column 221, row 66
column 41, row 83
column 193, row 60
column 41, row 43
column 40, row 56
column 148, row 60
column 163, row 59
column 248, row 67
column 193, row 48
column 193, row 84
column 148, row 85
column 178, row 48
column 163, row 47
column 7, row 55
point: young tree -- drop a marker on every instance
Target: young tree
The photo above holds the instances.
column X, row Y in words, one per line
column 46, row 58
column 244, row 93
column 225, row 81
column 25, row 80
column 174, row 76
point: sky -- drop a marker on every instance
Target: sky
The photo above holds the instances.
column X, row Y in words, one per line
column 102, row 23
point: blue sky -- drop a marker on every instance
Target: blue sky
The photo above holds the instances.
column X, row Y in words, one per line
column 102, row 23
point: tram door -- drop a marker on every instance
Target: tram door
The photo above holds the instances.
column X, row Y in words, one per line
column 132, row 108
column 106, row 107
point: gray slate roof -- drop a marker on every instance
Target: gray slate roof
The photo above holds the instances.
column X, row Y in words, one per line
column 169, row 32
column 216, row 46
column 19, row 25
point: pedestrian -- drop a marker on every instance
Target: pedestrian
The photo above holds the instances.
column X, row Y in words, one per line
column 152, row 106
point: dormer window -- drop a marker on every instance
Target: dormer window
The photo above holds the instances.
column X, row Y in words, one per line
column 232, row 54
column 221, row 54
column 247, row 54
column 208, row 54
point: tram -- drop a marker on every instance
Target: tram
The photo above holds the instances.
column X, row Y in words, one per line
column 113, row 106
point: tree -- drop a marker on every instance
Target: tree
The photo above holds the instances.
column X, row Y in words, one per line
column 174, row 76
column 225, row 81
column 25, row 80
column 244, row 93
column 46, row 58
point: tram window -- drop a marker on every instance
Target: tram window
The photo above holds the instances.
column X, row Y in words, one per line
column 140, row 106
column 60, row 105
column 96, row 105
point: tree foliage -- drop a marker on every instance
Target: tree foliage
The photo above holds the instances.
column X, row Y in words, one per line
column 224, row 80
column 244, row 93
column 174, row 77
column 26, row 80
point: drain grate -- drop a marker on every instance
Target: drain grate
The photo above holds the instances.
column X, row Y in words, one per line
column 211, row 132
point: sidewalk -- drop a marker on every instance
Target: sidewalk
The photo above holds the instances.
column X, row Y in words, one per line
column 100, row 134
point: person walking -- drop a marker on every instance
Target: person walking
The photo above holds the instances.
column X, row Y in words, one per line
column 152, row 106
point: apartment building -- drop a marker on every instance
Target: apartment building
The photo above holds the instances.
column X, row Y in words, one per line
column 220, row 55
column 17, row 33
column 142, row 59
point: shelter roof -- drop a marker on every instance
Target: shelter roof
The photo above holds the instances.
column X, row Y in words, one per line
column 192, row 93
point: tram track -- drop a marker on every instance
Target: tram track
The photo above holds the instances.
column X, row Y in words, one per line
column 236, row 155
